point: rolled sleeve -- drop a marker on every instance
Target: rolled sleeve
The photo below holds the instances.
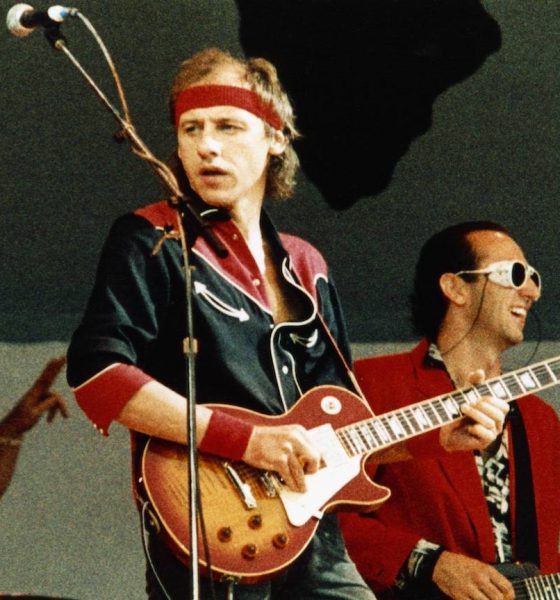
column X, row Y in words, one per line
column 103, row 397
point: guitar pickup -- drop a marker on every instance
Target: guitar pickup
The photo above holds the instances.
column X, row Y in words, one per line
column 243, row 488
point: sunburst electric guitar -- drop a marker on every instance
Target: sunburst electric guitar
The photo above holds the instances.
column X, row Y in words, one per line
column 255, row 525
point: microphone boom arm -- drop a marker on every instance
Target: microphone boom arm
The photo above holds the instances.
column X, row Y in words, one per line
column 127, row 130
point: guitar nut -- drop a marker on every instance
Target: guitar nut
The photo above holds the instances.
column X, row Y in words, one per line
column 249, row 551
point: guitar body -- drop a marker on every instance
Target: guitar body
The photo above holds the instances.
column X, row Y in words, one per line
column 256, row 529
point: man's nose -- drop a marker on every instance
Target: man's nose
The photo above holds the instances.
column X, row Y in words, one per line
column 531, row 290
column 208, row 145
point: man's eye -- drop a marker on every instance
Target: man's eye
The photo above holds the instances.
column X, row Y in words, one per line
column 229, row 127
column 190, row 129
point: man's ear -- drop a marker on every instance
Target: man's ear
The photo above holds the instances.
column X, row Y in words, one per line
column 454, row 288
column 278, row 143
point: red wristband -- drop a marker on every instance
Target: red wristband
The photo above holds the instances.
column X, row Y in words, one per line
column 226, row 436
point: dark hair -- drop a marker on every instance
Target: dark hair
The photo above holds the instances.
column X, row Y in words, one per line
column 448, row 251
column 263, row 80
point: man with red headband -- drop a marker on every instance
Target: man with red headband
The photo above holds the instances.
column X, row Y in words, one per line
column 266, row 316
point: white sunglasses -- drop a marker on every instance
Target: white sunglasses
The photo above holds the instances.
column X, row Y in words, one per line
column 508, row 273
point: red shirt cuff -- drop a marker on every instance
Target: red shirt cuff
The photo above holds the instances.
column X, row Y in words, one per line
column 104, row 395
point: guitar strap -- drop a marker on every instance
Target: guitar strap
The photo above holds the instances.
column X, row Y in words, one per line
column 526, row 532
column 340, row 355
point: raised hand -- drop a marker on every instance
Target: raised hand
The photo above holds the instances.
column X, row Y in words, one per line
column 36, row 401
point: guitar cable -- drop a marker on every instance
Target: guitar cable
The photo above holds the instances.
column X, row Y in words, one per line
column 146, row 517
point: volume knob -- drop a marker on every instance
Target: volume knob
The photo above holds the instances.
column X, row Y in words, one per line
column 249, row 551
column 280, row 541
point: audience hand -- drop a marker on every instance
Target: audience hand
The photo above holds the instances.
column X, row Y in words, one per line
column 36, row 401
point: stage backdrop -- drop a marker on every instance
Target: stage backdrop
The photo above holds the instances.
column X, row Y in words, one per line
column 414, row 115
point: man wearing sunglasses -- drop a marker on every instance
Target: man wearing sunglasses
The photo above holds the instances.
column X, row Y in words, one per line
column 450, row 519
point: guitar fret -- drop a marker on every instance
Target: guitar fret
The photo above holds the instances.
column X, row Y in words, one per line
column 382, row 431
column 440, row 411
column 395, row 425
column 346, row 442
column 412, row 420
column 385, row 429
column 471, row 395
column 552, row 376
column 357, row 440
column 543, row 375
column 527, row 379
column 403, row 418
column 420, row 418
column 458, row 397
column 451, row 407
column 500, row 387
column 483, row 389
column 353, row 441
column 367, row 435
column 432, row 413
column 555, row 368
column 375, row 435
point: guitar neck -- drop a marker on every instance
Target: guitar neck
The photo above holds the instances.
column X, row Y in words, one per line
column 402, row 424
column 540, row 587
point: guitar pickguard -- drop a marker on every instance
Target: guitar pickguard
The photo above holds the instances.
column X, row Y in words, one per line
column 339, row 469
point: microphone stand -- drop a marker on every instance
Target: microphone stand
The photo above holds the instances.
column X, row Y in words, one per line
column 185, row 210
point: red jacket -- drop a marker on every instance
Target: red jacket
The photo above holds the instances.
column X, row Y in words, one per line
column 441, row 499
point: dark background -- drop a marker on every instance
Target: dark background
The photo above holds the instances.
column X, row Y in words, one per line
column 415, row 114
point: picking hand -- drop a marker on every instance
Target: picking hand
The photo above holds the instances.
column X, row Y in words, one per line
column 286, row 449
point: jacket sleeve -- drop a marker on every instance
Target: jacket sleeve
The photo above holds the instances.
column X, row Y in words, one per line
column 108, row 350
column 379, row 551
column 543, row 432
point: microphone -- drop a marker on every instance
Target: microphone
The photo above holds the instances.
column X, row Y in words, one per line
column 22, row 18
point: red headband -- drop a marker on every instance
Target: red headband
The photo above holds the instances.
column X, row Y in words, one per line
column 204, row 96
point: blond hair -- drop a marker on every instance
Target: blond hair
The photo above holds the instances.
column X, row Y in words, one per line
column 262, row 78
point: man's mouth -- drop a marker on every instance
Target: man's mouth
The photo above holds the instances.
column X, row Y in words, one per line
column 212, row 177
column 519, row 311
column 211, row 172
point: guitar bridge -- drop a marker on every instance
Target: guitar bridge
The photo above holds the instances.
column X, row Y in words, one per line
column 243, row 488
column 270, row 484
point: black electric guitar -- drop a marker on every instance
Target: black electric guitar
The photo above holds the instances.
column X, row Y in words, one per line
column 538, row 587
column 527, row 583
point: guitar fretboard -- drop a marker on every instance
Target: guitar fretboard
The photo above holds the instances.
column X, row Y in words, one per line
column 541, row 587
column 398, row 425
